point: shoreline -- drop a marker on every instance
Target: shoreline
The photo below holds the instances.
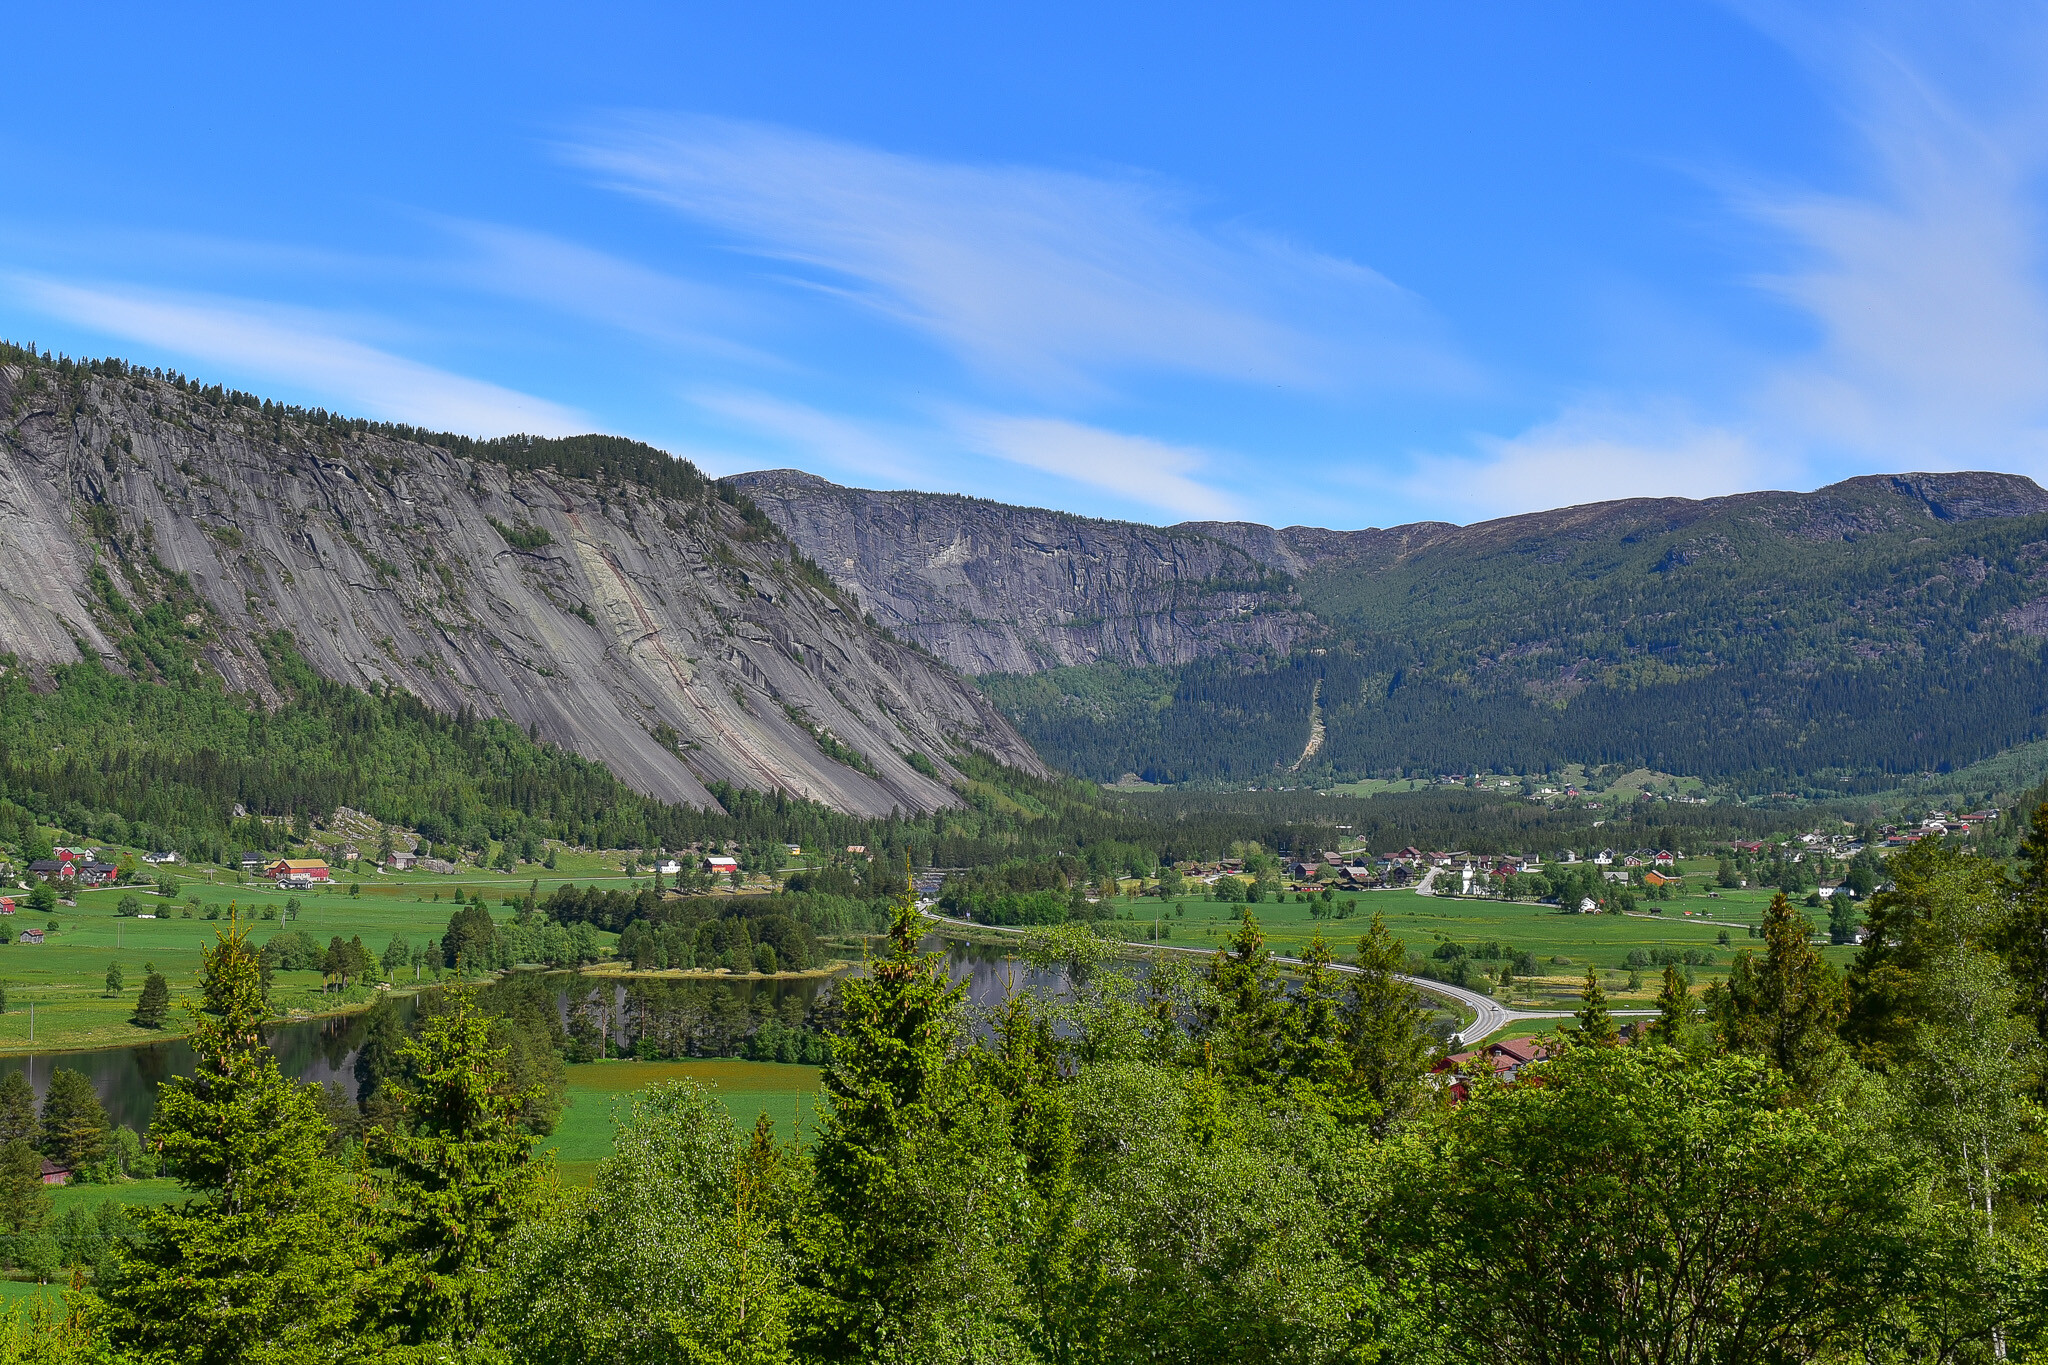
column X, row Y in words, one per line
column 612, row 969
column 616, row 967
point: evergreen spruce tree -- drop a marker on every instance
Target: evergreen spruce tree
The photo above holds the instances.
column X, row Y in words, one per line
column 1936, row 898
column 1384, row 1024
column 1313, row 1046
column 1249, row 1012
column 1596, row 1025
column 1020, row 1064
column 153, row 1005
column 24, row 1198
column 459, row 1175
column 1786, row 1006
column 1674, row 1008
column 2022, row 936
column 265, row 1266
column 74, row 1128
column 901, row 1249
column 18, row 1122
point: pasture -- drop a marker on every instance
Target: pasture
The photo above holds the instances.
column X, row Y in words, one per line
column 64, row 977
column 1694, row 919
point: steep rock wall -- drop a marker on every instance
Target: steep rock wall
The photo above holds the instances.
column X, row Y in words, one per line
column 665, row 637
column 996, row 589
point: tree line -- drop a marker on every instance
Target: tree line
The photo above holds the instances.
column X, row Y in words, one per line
column 1203, row 1163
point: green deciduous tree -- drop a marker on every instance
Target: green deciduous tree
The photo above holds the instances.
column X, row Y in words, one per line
column 1959, row 1055
column 1638, row 1207
column 346, row 962
column 1842, row 918
column 672, row 1255
column 266, row 1264
column 471, row 941
column 1207, row 1231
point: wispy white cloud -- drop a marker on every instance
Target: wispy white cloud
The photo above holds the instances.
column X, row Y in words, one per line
column 1138, row 469
column 300, row 348
column 1929, row 300
column 601, row 287
column 1598, row 452
column 810, row 435
column 1046, row 278
column 940, row 454
column 1923, row 284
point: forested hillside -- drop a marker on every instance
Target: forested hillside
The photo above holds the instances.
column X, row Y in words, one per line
column 1831, row 641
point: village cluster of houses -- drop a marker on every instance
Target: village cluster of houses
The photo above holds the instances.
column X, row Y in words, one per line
column 1360, row 868
column 295, row 873
column 1505, row 1060
column 1935, row 825
column 78, row 866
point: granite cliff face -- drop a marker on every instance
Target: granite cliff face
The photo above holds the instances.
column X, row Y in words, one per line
column 1824, row 641
column 991, row 588
column 666, row 636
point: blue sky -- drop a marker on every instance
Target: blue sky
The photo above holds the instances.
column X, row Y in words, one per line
column 1348, row 264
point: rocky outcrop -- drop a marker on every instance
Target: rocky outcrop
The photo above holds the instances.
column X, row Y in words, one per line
column 995, row 589
column 665, row 636
column 991, row 588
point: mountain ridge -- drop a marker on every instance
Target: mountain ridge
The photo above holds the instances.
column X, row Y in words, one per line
column 675, row 636
column 993, row 588
column 1747, row 636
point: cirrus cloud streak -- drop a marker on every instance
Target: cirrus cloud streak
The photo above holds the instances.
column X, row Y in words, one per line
column 303, row 349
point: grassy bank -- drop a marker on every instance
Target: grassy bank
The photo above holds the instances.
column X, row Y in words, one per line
column 64, row 977
column 601, row 1097
column 1693, row 919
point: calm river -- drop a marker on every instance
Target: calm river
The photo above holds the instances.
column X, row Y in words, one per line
column 324, row 1050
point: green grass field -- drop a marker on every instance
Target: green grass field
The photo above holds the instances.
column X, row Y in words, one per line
column 1691, row 919
column 134, row 1193
column 601, row 1097
column 64, row 977
column 17, row 1295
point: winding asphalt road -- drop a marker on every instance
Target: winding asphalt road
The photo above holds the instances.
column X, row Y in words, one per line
column 1489, row 1016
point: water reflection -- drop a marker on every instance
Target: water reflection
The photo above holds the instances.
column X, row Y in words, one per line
column 324, row 1050
column 994, row 970
column 126, row 1078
